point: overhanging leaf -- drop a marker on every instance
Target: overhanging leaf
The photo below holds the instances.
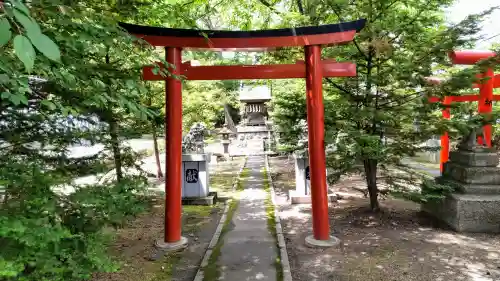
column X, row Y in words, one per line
column 5, row 32
column 49, row 104
column 24, row 51
column 27, row 22
column 45, row 45
column 21, row 7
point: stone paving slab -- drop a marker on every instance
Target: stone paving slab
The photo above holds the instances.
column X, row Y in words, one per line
column 249, row 250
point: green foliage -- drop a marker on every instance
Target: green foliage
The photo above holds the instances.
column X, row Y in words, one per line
column 63, row 68
column 431, row 191
column 29, row 35
column 382, row 115
column 49, row 236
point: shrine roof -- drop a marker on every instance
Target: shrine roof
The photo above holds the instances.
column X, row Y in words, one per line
column 255, row 94
column 247, row 40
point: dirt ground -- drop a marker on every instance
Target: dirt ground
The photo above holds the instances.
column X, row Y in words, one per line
column 397, row 244
column 133, row 246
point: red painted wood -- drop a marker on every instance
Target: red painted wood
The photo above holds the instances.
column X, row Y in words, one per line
column 445, row 140
column 237, row 72
column 485, row 98
column 469, row 57
column 249, row 44
column 317, row 158
column 485, row 103
column 465, row 98
column 173, row 158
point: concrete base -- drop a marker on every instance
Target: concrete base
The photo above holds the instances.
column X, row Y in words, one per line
column 332, row 242
column 206, row 201
column 468, row 213
column 296, row 198
column 171, row 247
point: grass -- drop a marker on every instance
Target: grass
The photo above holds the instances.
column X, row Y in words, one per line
column 222, row 180
column 131, row 244
column 167, row 264
column 271, row 224
column 170, row 260
column 211, row 272
column 210, row 140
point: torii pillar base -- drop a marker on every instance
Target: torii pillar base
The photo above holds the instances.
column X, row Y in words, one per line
column 168, row 247
column 315, row 243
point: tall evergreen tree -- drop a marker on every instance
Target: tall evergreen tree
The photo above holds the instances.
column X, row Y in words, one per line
column 376, row 114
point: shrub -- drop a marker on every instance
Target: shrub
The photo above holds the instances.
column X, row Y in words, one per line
column 48, row 236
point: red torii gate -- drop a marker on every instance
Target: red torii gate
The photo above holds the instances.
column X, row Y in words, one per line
column 485, row 98
column 313, row 69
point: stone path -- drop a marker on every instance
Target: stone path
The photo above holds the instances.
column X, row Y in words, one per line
column 417, row 166
column 249, row 250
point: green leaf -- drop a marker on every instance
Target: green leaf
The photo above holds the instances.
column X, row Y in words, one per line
column 45, row 45
column 24, row 51
column 16, row 99
column 21, row 7
column 4, row 78
column 130, row 83
column 5, row 32
column 5, row 95
column 49, row 104
column 27, row 22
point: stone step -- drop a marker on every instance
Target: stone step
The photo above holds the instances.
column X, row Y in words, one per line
column 474, row 159
column 467, row 188
column 472, row 175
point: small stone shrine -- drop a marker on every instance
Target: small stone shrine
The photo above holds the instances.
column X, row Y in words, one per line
column 475, row 205
column 254, row 124
column 195, row 184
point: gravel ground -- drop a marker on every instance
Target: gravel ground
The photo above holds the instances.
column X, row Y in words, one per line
column 395, row 244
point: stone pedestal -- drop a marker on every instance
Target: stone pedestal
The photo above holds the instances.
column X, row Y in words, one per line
column 225, row 144
column 196, row 179
column 302, row 192
column 475, row 206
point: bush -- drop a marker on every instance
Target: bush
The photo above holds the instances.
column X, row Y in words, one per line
column 47, row 236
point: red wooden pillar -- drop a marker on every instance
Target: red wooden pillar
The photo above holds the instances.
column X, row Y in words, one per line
column 485, row 103
column 173, row 139
column 445, row 140
column 317, row 159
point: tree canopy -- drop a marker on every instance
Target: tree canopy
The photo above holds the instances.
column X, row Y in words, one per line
column 69, row 73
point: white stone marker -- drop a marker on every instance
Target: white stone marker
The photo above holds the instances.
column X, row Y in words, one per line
column 195, row 175
column 302, row 192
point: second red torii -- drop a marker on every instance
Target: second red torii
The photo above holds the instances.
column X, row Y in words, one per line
column 485, row 98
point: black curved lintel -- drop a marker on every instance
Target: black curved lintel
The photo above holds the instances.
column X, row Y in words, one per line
column 293, row 31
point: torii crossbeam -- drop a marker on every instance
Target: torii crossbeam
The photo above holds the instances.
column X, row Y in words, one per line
column 313, row 69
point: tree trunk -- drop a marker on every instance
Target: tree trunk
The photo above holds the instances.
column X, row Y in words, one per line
column 371, row 181
column 115, row 145
column 159, row 173
column 113, row 133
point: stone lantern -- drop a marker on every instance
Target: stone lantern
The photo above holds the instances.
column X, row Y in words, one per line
column 225, row 138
